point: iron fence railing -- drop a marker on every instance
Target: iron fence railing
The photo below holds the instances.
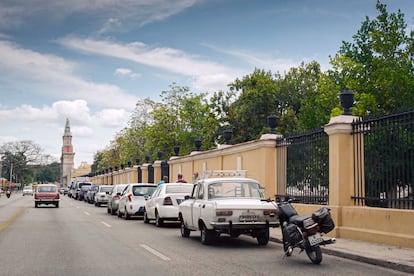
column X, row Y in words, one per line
column 384, row 161
column 307, row 168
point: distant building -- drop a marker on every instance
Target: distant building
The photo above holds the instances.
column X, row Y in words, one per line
column 82, row 170
column 67, row 158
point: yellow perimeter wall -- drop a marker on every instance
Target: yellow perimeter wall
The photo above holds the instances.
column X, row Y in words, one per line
column 259, row 159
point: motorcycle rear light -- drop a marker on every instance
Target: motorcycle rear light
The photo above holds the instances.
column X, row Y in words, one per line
column 167, row 201
column 271, row 213
column 224, row 213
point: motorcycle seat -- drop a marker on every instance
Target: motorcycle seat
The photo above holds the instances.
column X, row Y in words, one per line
column 298, row 220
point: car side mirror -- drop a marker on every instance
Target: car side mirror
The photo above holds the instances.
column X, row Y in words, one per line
column 187, row 197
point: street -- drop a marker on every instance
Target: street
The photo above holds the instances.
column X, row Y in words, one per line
column 81, row 239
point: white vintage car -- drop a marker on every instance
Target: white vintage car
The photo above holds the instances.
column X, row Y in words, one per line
column 229, row 205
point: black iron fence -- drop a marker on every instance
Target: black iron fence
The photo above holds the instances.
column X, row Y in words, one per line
column 384, row 161
column 307, row 168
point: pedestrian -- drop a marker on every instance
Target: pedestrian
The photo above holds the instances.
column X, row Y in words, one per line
column 180, row 178
column 195, row 176
column 164, row 180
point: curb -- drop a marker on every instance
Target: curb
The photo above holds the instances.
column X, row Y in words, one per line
column 359, row 258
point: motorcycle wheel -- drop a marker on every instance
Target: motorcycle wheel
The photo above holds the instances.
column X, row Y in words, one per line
column 314, row 253
column 286, row 246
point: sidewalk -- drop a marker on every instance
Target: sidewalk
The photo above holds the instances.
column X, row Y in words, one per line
column 401, row 259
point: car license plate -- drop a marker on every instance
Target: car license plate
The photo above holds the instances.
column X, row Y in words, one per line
column 247, row 218
column 315, row 239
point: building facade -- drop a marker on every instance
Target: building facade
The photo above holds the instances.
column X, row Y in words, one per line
column 67, row 157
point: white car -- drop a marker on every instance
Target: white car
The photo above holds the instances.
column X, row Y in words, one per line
column 101, row 195
column 113, row 198
column 132, row 201
column 163, row 204
column 27, row 190
column 230, row 205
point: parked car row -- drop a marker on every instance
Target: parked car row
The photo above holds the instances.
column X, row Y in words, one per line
column 231, row 205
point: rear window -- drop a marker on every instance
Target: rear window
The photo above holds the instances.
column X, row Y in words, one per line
column 178, row 189
column 143, row 190
column 47, row 189
column 84, row 184
column 106, row 189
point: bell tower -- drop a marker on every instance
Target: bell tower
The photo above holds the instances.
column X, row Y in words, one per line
column 67, row 158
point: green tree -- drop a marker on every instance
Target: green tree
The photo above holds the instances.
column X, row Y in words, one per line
column 378, row 64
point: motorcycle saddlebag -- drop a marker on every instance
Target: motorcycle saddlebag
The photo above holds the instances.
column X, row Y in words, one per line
column 293, row 234
column 324, row 220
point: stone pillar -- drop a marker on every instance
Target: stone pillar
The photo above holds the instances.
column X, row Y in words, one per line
column 341, row 166
column 157, row 171
column 144, row 169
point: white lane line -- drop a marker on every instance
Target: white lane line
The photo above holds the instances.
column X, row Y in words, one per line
column 155, row 252
column 106, row 224
column 86, row 213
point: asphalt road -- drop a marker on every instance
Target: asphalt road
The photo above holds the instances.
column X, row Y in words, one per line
column 81, row 239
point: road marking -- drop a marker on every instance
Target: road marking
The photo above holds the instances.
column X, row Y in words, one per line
column 86, row 213
column 155, row 252
column 2, row 227
column 106, row 224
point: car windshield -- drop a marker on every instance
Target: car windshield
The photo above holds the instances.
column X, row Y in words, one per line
column 143, row 190
column 106, row 189
column 234, row 189
column 46, row 189
column 178, row 189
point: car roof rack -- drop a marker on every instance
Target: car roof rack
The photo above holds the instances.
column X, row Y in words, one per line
column 224, row 173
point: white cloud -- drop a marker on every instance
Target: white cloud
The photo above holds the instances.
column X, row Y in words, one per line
column 48, row 74
column 126, row 72
column 168, row 59
column 91, row 131
column 14, row 13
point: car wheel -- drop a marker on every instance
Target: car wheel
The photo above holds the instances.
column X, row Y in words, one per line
column 57, row 205
column 146, row 220
column 185, row 232
column 112, row 211
column 119, row 213
column 207, row 236
column 98, row 204
column 263, row 237
column 36, row 205
column 158, row 221
column 126, row 215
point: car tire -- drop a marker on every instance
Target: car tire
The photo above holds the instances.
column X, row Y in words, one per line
column 146, row 220
column 159, row 222
column 185, row 232
column 36, row 205
column 126, row 215
column 263, row 237
column 119, row 213
column 97, row 204
column 207, row 236
column 113, row 212
column 57, row 205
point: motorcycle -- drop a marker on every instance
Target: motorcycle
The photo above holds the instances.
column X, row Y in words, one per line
column 304, row 232
column 8, row 193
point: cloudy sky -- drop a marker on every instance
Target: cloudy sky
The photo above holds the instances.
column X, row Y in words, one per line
column 90, row 61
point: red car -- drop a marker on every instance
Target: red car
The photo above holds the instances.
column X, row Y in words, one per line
column 46, row 194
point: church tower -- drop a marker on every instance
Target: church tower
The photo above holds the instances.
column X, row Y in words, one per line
column 67, row 158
